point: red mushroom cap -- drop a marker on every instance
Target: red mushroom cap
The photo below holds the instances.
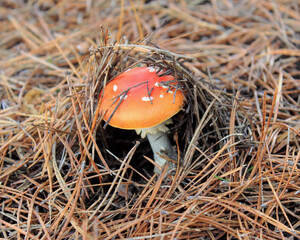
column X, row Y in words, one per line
column 139, row 98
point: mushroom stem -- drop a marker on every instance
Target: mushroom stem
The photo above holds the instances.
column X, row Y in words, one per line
column 160, row 143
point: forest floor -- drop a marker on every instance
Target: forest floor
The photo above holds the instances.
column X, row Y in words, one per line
column 63, row 175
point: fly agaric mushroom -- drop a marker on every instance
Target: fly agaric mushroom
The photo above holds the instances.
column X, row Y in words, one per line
column 140, row 99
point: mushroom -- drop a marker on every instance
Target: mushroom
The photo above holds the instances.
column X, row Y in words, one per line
column 142, row 100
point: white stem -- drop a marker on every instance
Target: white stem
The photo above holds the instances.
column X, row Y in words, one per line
column 160, row 143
